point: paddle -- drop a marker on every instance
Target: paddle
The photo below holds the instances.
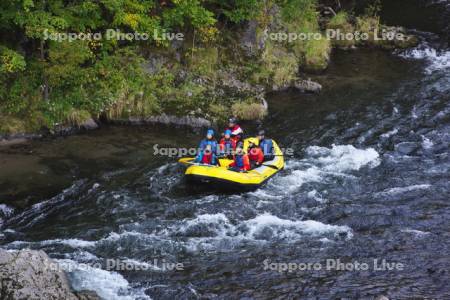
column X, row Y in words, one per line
column 271, row 166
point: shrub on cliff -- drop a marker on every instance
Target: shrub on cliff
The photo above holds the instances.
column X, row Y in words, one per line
column 341, row 25
column 248, row 110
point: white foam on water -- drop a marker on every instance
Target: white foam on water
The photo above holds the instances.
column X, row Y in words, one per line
column 207, row 199
column 74, row 243
column 81, row 256
column 297, row 178
column 288, row 229
column 6, row 210
column 390, row 133
column 108, row 285
column 314, row 194
column 318, row 164
column 437, row 60
column 404, row 189
column 218, row 232
column 342, row 158
column 426, row 143
column 416, row 232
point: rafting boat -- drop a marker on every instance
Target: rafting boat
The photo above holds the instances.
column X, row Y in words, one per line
column 221, row 176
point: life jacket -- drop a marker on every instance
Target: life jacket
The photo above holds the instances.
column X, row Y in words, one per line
column 206, row 158
column 227, row 145
column 236, row 130
column 256, row 154
column 206, row 142
column 266, row 146
column 241, row 161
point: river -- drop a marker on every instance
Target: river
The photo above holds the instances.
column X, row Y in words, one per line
column 368, row 181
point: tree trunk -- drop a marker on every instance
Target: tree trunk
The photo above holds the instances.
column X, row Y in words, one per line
column 45, row 92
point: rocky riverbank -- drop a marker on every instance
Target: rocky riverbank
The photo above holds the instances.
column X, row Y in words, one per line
column 30, row 274
column 214, row 72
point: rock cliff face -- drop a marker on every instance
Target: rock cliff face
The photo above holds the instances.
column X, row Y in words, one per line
column 32, row 275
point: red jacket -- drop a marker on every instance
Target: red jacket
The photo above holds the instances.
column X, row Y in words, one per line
column 223, row 141
column 207, row 158
column 256, row 154
column 241, row 161
column 235, row 130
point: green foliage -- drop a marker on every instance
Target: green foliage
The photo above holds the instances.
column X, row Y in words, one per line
column 373, row 9
column 317, row 54
column 248, row 110
column 203, row 61
column 49, row 82
column 188, row 10
column 11, row 61
column 242, row 10
column 280, row 64
column 341, row 24
column 339, row 20
column 219, row 111
column 300, row 13
column 369, row 26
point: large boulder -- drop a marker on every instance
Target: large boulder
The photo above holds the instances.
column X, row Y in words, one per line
column 32, row 275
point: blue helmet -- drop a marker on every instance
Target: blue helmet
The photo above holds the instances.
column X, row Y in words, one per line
column 228, row 132
column 210, row 132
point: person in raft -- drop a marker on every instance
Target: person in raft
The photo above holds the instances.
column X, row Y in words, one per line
column 209, row 140
column 240, row 162
column 266, row 146
column 207, row 156
column 255, row 154
column 227, row 144
column 236, row 131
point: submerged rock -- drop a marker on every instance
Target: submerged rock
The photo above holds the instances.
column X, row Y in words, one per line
column 30, row 274
column 406, row 148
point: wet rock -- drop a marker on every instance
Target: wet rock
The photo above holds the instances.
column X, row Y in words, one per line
column 89, row 124
column 307, row 86
column 396, row 37
column 154, row 63
column 302, row 85
column 253, row 40
column 87, row 295
column 30, row 274
column 406, row 148
column 191, row 121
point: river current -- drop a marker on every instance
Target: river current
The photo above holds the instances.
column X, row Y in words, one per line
column 368, row 184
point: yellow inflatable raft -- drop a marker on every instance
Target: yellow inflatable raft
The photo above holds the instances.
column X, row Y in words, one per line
column 222, row 177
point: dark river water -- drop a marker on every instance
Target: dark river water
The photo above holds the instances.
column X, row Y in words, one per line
column 368, row 185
